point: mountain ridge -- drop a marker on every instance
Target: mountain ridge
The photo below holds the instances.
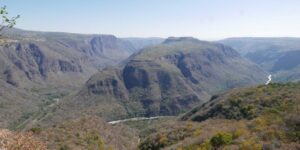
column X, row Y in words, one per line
column 275, row 55
column 166, row 79
column 44, row 66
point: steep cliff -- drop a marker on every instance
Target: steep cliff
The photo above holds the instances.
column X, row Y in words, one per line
column 166, row 79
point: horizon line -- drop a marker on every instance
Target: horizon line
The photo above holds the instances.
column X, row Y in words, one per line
column 160, row 37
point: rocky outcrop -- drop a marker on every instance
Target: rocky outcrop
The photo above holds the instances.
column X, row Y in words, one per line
column 48, row 58
column 167, row 79
column 35, row 63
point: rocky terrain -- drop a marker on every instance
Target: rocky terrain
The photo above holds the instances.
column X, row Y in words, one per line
column 46, row 88
column 167, row 79
column 149, row 75
column 38, row 67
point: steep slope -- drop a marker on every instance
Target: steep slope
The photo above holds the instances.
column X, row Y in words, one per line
column 16, row 105
column 247, row 103
column 263, row 117
column 167, row 79
column 276, row 55
column 55, row 57
column 38, row 67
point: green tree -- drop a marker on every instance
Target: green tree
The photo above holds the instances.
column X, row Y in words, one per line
column 7, row 22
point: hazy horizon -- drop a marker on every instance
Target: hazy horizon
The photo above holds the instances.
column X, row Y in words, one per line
column 206, row 20
column 140, row 37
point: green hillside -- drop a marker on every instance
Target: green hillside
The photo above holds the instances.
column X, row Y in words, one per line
column 263, row 117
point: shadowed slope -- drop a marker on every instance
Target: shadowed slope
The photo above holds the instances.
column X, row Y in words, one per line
column 167, row 79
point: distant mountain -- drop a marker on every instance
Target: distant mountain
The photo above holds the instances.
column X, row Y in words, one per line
column 57, row 58
column 166, row 79
column 249, row 45
column 140, row 43
column 35, row 67
column 280, row 56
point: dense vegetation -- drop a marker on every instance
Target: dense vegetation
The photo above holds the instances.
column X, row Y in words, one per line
column 264, row 117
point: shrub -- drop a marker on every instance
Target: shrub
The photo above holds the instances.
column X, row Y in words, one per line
column 248, row 111
column 294, row 136
column 250, row 144
column 236, row 109
column 94, row 141
column 64, row 147
column 197, row 132
column 221, row 139
column 205, row 145
column 240, row 132
column 163, row 139
column 168, row 138
column 189, row 126
column 36, row 130
column 260, row 124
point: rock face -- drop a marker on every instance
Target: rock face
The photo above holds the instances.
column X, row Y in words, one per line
column 33, row 61
column 49, row 57
column 166, row 79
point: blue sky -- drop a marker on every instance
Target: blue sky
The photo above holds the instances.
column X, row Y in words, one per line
column 204, row 19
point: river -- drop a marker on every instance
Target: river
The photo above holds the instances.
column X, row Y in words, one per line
column 137, row 119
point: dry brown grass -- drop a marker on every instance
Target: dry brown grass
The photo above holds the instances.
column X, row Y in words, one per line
column 19, row 141
column 88, row 133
